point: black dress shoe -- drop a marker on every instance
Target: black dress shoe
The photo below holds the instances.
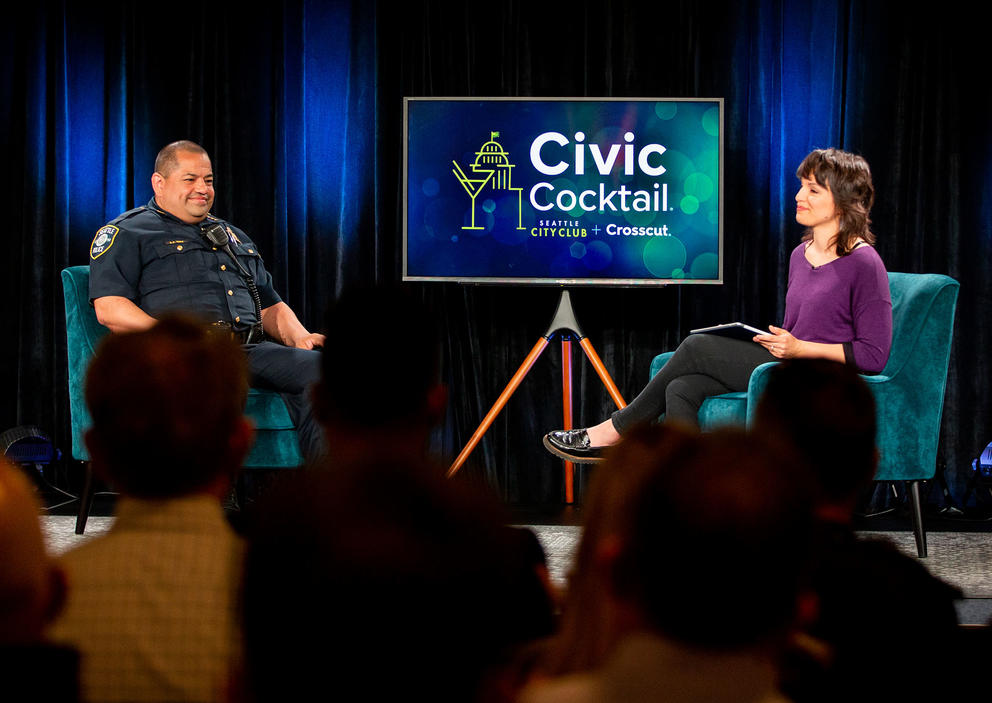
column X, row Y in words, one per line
column 573, row 445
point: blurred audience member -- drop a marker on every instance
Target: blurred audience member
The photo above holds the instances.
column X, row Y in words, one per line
column 826, row 411
column 688, row 575
column 383, row 582
column 414, row 584
column 152, row 605
column 32, row 590
column 380, row 392
column 380, row 395
column 878, row 609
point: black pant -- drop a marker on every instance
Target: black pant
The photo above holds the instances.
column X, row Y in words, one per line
column 702, row 366
column 290, row 372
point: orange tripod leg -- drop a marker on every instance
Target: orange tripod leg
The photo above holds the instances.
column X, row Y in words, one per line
column 604, row 375
column 566, row 404
column 500, row 403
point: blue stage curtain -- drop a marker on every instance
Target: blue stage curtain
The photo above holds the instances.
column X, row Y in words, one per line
column 281, row 97
column 299, row 104
column 896, row 84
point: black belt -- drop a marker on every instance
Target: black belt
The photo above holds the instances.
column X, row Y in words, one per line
column 241, row 335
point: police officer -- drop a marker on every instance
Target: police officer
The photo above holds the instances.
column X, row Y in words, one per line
column 172, row 254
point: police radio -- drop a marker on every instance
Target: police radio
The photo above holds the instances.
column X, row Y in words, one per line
column 216, row 236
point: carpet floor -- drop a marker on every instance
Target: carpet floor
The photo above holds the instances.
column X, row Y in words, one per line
column 960, row 558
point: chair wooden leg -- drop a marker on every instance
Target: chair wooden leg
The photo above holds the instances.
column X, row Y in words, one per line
column 918, row 531
column 85, row 501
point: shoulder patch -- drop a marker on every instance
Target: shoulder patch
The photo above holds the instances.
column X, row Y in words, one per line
column 103, row 240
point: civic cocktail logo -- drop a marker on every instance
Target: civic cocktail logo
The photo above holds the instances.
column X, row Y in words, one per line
column 564, row 189
column 492, row 169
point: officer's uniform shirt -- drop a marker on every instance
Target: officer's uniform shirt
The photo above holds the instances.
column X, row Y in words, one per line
column 161, row 264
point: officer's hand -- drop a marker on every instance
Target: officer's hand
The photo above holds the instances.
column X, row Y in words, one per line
column 309, row 341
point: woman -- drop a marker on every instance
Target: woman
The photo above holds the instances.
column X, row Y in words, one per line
column 837, row 307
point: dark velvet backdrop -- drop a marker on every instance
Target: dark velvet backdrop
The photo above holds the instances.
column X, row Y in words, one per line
column 300, row 107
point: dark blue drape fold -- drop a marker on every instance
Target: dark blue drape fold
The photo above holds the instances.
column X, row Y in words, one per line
column 299, row 104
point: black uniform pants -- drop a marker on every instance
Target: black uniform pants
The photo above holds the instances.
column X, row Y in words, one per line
column 290, row 372
column 702, row 366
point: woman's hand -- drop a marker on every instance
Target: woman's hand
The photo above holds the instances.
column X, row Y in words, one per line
column 780, row 343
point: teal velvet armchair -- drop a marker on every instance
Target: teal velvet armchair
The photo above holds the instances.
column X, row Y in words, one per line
column 276, row 444
column 909, row 392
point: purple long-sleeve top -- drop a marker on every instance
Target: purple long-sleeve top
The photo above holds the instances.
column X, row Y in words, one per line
column 844, row 302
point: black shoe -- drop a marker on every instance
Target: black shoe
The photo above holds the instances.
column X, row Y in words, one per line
column 573, row 445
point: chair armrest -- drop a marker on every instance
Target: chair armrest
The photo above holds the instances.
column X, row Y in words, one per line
column 658, row 362
column 876, row 379
column 756, row 386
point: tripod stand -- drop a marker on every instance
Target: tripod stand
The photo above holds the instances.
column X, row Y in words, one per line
column 563, row 323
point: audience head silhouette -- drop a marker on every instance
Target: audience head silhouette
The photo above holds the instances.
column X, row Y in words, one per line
column 32, row 587
column 698, row 538
column 382, row 371
column 826, row 410
column 410, row 582
column 168, row 409
column 860, row 586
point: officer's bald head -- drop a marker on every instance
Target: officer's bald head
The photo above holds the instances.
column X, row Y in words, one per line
column 167, row 160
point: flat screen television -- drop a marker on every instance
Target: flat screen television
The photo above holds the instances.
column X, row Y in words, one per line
column 563, row 191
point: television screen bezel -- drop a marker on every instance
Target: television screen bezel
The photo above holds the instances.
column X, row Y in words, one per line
column 561, row 282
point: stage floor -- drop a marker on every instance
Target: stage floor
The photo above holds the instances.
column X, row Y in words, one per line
column 961, row 558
